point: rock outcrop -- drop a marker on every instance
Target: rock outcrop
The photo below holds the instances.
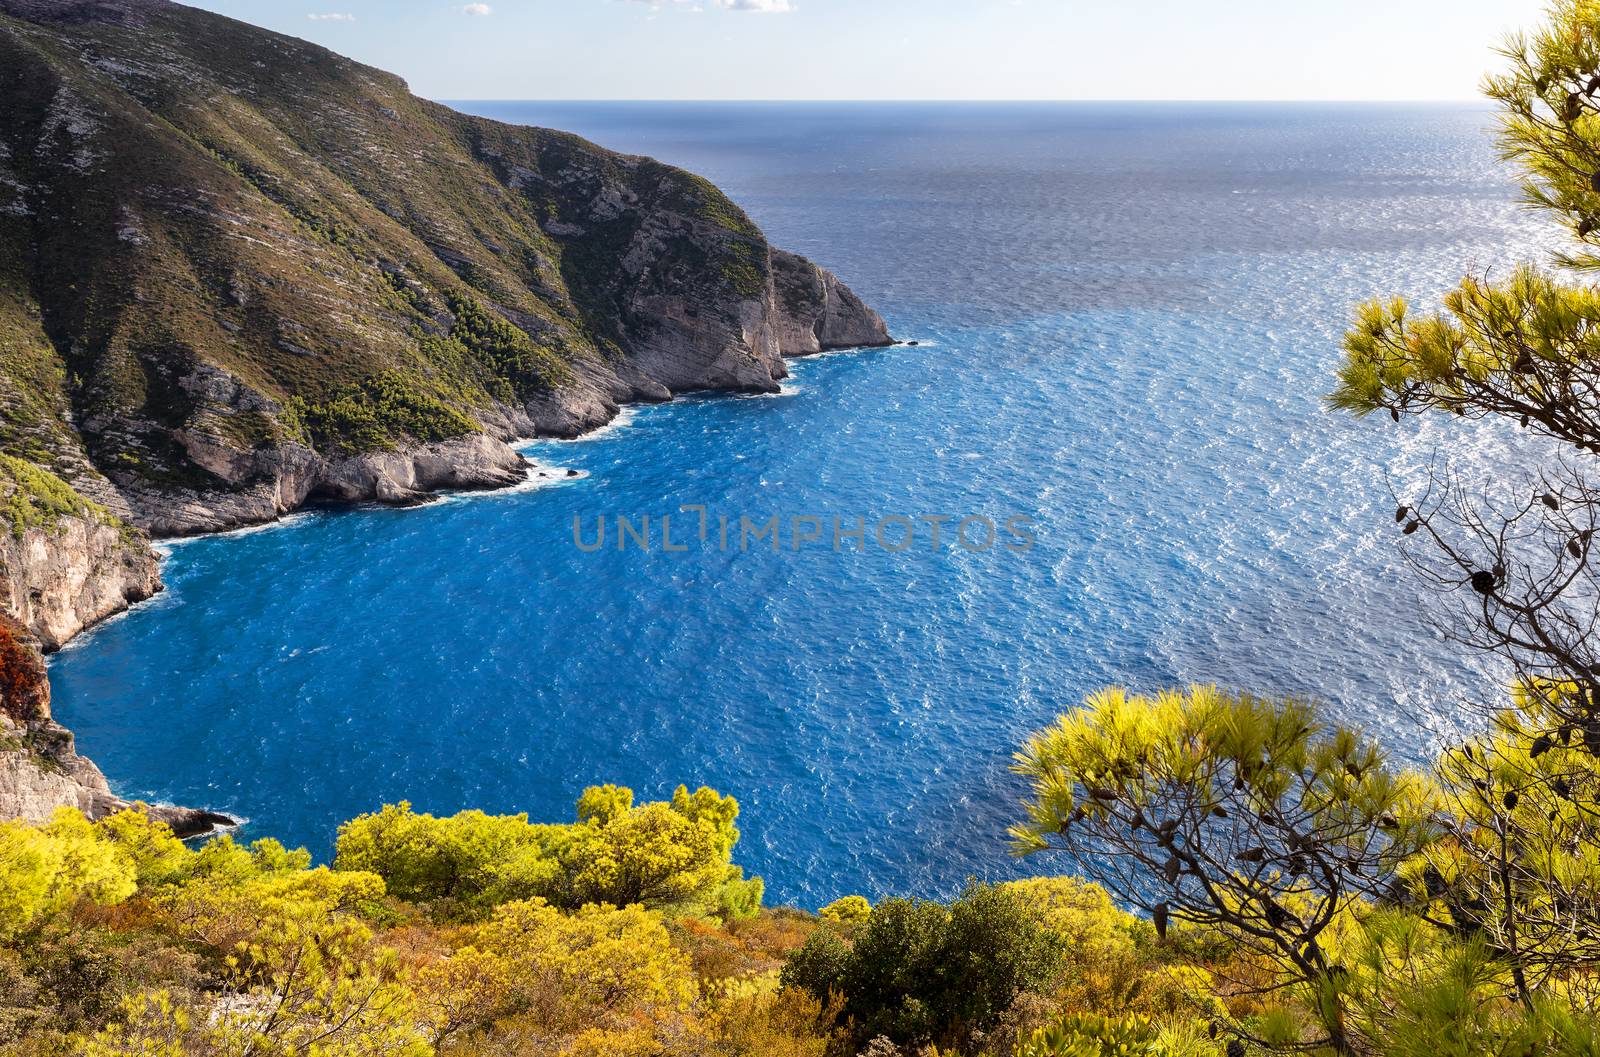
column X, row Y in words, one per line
column 240, row 273
column 66, row 561
column 58, row 578
column 280, row 479
column 816, row 312
column 40, row 770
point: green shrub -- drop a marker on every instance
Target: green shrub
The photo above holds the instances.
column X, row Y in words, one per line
column 35, row 497
column 919, row 970
column 505, row 349
column 745, row 270
column 45, row 869
column 1088, row 1035
column 847, row 909
column 370, row 415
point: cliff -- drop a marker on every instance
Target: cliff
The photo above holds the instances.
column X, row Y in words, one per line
column 260, row 273
column 240, row 273
column 65, row 561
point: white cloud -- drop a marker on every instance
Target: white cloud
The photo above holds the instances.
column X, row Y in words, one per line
column 477, row 9
column 769, row 7
column 332, row 18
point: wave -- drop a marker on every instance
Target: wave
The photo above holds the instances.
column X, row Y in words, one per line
column 539, row 476
column 623, row 419
column 165, row 547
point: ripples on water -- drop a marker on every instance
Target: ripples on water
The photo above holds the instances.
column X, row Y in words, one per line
column 1128, row 316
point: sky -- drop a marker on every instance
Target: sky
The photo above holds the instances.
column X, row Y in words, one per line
column 913, row 49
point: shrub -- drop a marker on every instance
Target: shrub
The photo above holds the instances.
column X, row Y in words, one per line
column 31, row 496
column 470, row 856
column 599, row 959
column 44, row 869
column 305, row 988
column 918, row 970
column 371, row 414
column 505, row 349
column 1093, row 928
column 764, row 1022
column 156, row 855
column 1090, row 1035
column 847, row 910
column 674, row 854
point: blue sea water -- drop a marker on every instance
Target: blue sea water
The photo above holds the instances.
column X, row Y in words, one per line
column 1127, row 317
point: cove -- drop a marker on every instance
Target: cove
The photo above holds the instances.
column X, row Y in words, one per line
column 1126, row 316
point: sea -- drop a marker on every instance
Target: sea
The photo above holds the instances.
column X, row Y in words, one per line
column 1125, row 320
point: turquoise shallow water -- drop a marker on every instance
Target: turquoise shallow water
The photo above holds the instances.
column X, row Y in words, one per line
column 1127, row 317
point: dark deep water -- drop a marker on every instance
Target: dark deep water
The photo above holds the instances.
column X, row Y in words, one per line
column 1128, row 315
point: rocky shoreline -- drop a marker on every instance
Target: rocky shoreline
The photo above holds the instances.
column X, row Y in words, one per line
column 241, row 274
column 287, row 478
column 40, row 768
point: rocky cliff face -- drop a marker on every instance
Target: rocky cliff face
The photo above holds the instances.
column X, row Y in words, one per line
column 58, row 579
column 65, row 561
column 259, row 273
column 240, row 273
column 816, row 312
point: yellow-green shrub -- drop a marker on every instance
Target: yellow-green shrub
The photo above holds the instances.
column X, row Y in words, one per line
column 846, row 910
column 44, row 869
column 676, row 854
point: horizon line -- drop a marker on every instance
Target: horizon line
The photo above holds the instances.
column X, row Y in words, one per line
column 1486, row 103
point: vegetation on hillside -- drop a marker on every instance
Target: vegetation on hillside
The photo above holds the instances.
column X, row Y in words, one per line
column 1297, row 890
column 476, row 934
column 33, row 497
column 115, row 938
column 202, row 221
column 1301, row 894
column 369, row 415
column 675, row 855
